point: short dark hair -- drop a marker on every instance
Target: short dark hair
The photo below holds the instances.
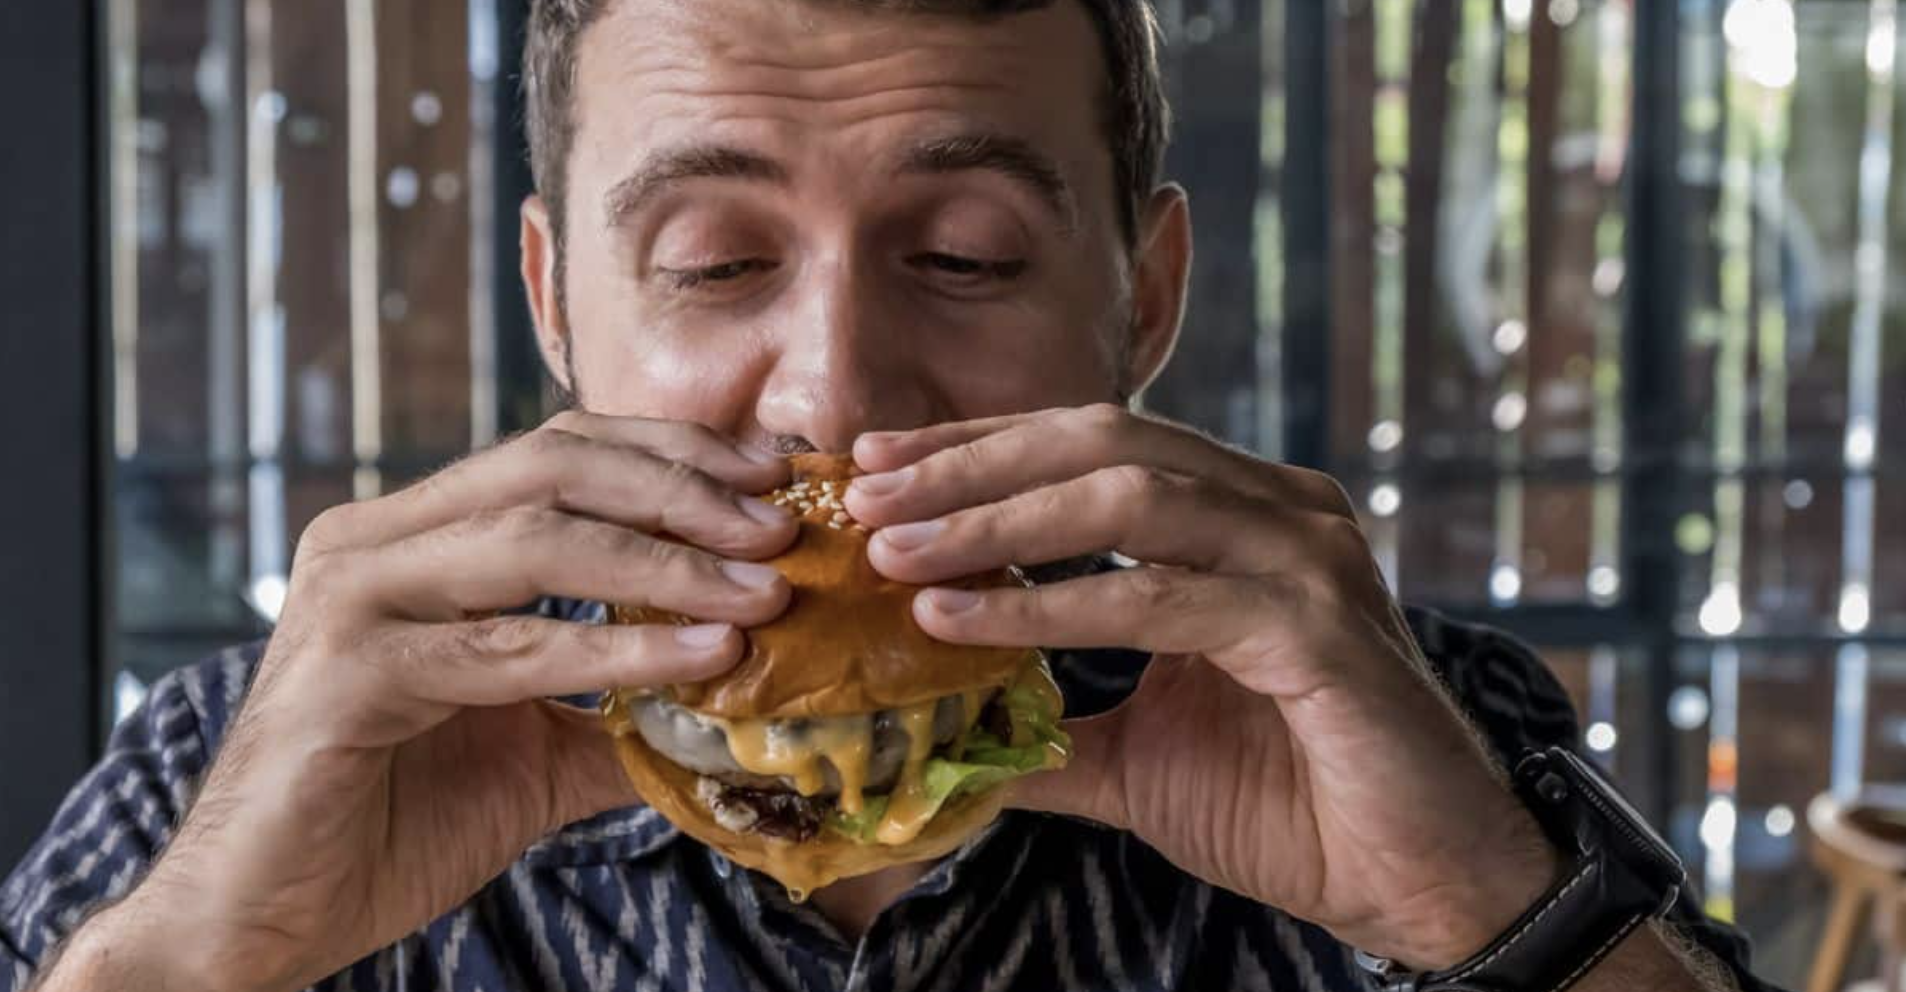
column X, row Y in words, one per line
column 1136, row 117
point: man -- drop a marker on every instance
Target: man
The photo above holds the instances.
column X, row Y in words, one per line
column 931, row 233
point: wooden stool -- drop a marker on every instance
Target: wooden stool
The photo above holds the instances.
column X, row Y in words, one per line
column 1860, row 843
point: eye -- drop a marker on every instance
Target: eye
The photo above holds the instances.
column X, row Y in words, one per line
column 970, row 271
column 725, row 272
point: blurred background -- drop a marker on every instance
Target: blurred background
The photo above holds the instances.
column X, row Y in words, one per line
column 1594, row 305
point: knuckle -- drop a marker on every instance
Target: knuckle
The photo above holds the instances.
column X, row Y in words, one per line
column 1154, row 590
column 967, row 460
column 679, row 476
column 1100, row 428
column 551, row 442
column 1325, row 491
column 1342, row 536
column 1137, row 483
column 325, row 531
column 645, row 559
column 1047, row 503
column 1102, row 417
column 569, row 421
column 515, row 524
column 503, row 637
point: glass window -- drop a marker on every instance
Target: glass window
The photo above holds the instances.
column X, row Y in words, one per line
column 304, row 220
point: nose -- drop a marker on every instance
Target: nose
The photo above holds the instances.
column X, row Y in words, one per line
column 843, row 365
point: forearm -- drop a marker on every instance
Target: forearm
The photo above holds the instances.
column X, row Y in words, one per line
column 124, row 947
column 1655, row 958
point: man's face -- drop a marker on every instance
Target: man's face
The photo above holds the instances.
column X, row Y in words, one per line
column 798, row 220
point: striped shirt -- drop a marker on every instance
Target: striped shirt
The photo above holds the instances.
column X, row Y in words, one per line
column 623, row 901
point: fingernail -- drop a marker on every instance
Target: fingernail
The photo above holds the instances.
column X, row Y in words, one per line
column 906, row 537
column 705, row 635
column 762, row 512
column 760, row 456
column 951, row 600
column 748, row 574
column 884, row 484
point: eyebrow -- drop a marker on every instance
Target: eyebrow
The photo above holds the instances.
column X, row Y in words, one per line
column 665, row 169
column 1013, row 158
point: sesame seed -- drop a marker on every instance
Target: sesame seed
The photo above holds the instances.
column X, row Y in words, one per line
column 840, row 518
column 807, row 507
column 833, row 524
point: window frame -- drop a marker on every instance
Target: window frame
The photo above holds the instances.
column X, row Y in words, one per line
column 51, row 359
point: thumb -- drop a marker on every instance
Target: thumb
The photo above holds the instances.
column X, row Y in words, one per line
column 586, row 775
column 1092, row 784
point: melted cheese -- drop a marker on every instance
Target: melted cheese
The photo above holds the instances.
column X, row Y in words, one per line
column 847, row 744
column 908, row 809
column 766, row 747
column 778, row 749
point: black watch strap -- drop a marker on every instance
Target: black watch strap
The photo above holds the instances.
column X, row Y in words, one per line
column 1619, row 874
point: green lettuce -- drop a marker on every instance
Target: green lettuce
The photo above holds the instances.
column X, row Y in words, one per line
column 985, row 762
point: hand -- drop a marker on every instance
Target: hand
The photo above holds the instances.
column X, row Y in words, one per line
column 396, row 750
column 1288, row 741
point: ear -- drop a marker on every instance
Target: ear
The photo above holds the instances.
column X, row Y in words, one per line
column 542, row 283
column 1161, row 265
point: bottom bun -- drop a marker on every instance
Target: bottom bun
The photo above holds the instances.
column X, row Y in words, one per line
column 802, row 866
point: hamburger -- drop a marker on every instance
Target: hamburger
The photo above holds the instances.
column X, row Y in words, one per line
column 846, row 740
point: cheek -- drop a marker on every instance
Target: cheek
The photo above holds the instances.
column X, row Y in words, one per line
column 1013, row 366
column 636, row 374
column 633, row 365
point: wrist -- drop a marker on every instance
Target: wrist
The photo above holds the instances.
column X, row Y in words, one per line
column 1469, row 917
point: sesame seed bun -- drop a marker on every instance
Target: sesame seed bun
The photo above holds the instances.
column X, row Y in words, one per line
column 847, row 643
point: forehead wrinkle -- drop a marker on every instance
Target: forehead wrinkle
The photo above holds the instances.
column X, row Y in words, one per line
column 822, row 83
column 697, row 83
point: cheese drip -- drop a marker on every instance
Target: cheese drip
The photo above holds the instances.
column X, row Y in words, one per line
column 767, row 748
column 796, row 752
column 907, row 808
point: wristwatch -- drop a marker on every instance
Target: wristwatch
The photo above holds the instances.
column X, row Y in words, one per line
column 1619, row 874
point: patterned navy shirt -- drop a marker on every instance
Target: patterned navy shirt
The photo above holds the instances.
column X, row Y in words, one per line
column 622, row 901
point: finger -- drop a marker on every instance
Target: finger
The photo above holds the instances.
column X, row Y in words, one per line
column 1281, row 634
column 1066, row 445
column 1162, row 610
column 1147, row 514
column 882, row 451
column 510, row 659
column 652, row 475
column 504, row 559
column 743, row 467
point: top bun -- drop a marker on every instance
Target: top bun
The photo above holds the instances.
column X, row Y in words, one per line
column 847, row 642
